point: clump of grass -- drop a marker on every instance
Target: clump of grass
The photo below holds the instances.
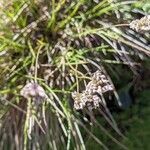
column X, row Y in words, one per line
column 57, row 45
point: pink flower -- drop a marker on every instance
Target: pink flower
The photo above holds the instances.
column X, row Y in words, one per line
column 33, row 90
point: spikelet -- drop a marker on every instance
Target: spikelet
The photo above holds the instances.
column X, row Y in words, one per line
column 141, row 25
column 90, row 96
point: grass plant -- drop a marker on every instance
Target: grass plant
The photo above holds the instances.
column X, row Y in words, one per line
column 58, row 45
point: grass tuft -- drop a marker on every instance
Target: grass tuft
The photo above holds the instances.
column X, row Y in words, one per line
column 58, row 45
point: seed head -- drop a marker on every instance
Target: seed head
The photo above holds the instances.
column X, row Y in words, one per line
column 90, row 96
column 33, row 90
column 141, row 25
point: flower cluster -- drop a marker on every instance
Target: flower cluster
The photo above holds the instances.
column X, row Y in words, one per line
column 34, row 91
column 90, row 96
column 141, row 25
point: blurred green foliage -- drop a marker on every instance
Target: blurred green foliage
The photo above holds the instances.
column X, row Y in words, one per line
column 138, row 133
column 143, row 5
